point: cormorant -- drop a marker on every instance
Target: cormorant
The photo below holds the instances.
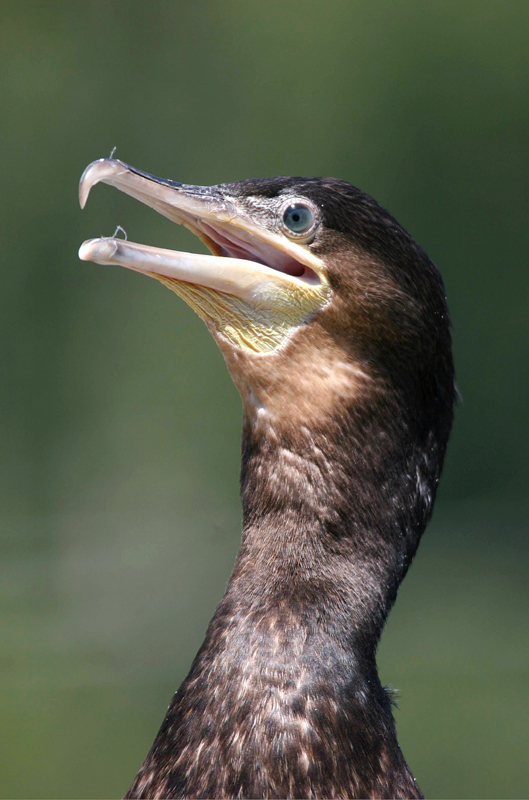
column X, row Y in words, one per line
column 334, row 327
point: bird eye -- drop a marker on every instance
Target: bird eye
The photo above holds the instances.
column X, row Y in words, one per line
column 298, row 218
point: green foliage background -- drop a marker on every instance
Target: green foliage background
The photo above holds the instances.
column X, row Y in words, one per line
column 119, row 447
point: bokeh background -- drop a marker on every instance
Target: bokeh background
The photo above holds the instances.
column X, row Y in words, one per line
column 119, row 447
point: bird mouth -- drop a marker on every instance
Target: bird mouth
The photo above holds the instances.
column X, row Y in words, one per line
column 249, row 261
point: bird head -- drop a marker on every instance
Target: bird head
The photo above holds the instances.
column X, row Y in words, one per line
column 316, row 296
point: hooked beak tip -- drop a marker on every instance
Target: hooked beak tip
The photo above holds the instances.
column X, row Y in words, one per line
column 100, row 170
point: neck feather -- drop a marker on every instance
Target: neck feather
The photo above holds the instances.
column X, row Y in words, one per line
column 283, row 699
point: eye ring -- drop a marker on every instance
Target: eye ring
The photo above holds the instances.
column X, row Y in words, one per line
column 298, row 218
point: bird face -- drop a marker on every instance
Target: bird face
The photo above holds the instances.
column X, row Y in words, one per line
column 262, row 281
column 313, row 291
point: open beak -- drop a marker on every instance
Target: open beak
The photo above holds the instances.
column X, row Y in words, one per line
column 250, row 263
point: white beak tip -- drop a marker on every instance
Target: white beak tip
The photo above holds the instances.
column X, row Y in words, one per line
column 100, row 170
column 84, row 251
column 99, row 250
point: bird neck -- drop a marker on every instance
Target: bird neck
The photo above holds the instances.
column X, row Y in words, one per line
column 283, row 698
column 332, row 517
column 330, row 525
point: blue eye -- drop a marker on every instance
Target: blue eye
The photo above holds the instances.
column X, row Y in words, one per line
column 298, row 218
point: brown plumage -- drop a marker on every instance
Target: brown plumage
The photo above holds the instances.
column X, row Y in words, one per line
column 346, row 421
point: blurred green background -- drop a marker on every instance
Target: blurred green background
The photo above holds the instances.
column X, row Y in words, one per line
column 120, row 426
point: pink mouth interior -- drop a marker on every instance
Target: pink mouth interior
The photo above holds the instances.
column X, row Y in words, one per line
column 253, row 249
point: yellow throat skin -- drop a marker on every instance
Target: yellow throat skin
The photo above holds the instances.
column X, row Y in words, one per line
column 254, row 329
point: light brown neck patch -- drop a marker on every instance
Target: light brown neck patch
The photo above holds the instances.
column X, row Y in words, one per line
column 300, row 385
